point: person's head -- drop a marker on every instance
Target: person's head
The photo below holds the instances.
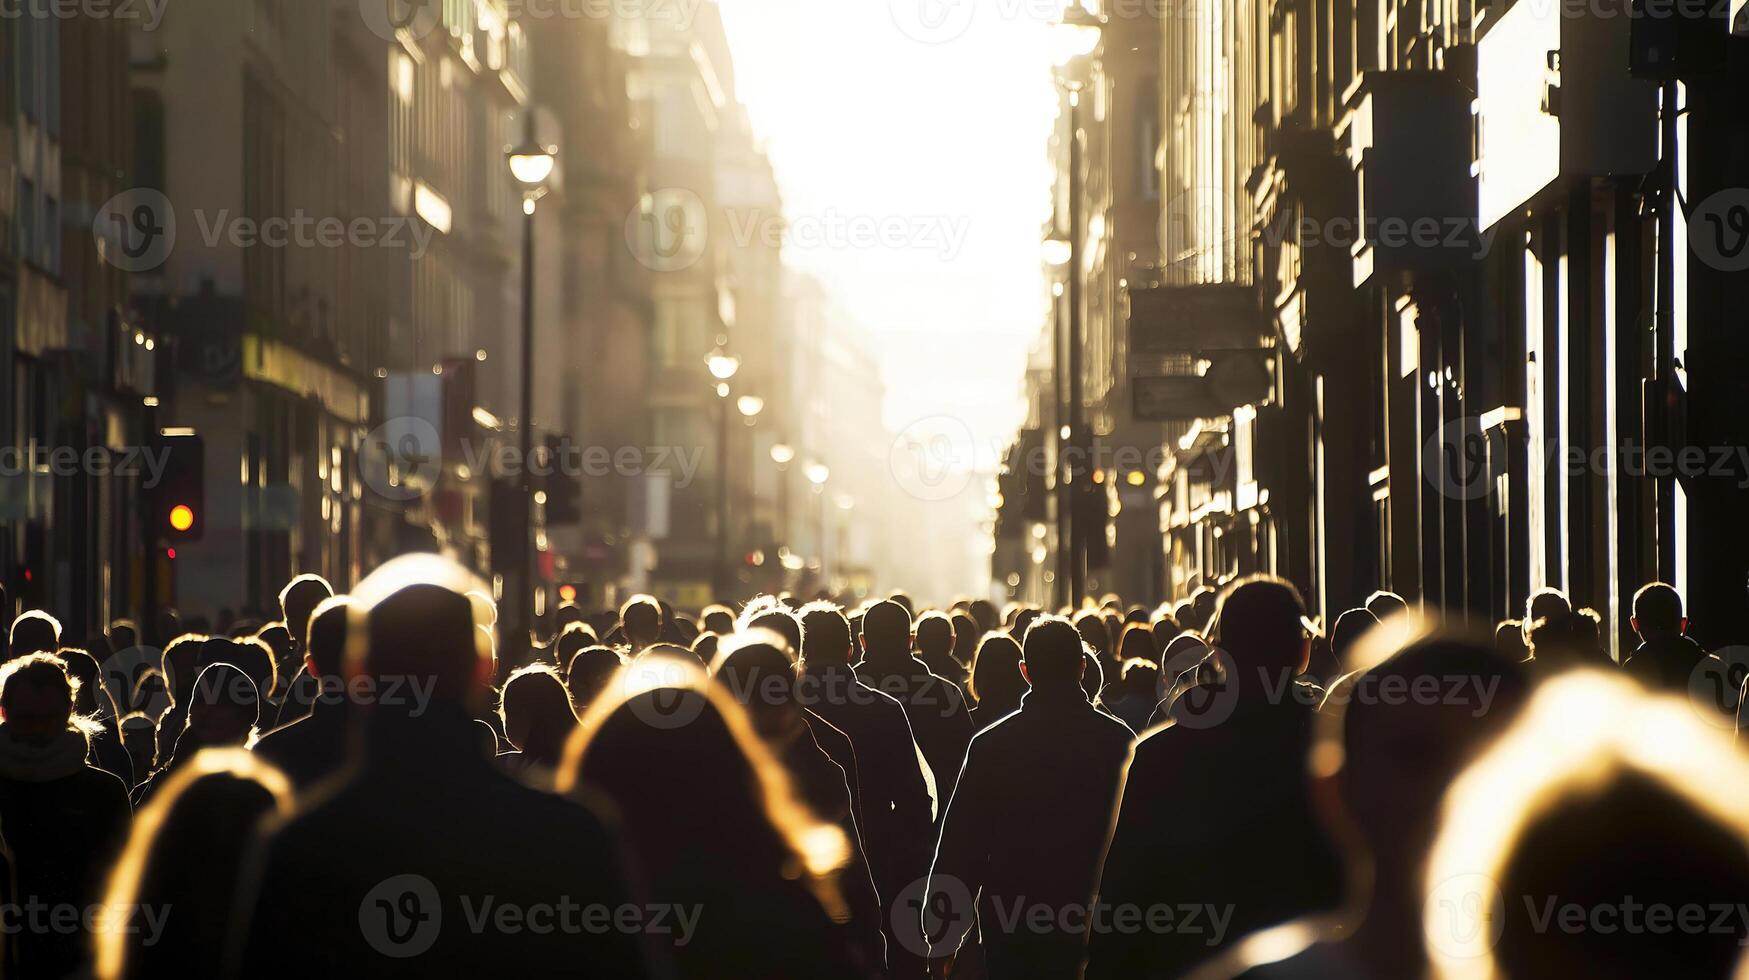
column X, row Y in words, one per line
column 1203, row 601
column 825, row 635
column 1141, row 678
column 1261, row 623
column 769, row 612
column 1391, row 756
column 717, row 618
column 935, row 636
column 965, row 637
column 1350, row 627
column 1052, row 657
column 704, row 646
column 572, row 640
column 223, row 708
column 249, row 655
column 298, row 600
column 996, row 680
column 588, row 674
column 719, row 782
column 886, row 630
column 1567, row 640
column 411, row 620
column 640, row 619
column 183, row 854
column 278, row 640
column 1164, row 627
column 1023, row 618
column 181, row 662
column 34, row 632
column 1137, row 643
column 1602, row 798
column 759, row 672
column 1383, row 605
column 325, row 653
column 1094, row 630
column 89, row 696
column 983, row 613
column 1510, row 641
column 1544, row 604
column 123, row 635
column 1658, row 613
column 536, row 711
column 565, row 615
column 36, row 698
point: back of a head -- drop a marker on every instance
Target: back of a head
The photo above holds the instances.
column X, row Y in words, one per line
column 1546, row 604
column 536, row 711
column 1383, row 604
column 1137, row 643
column 760, row 674
column 1349, row 628
column 983, row 612
column 37, row 695
column 1141, row 678
column 965, row 637
column 995, row 677
column 186, row 846
column 1023, row 619
column 1052, row 654
column 717, row 618
column 327, row 646
column 1093, row 629
column 82, row 667
column 825, row 634
column 640, row 618
column 1510, row 640
column 1602, row 810
column 573, row 639
column 411, row 620
column 34, row 631
column 589, row 672
column 249, row 655
column 1260, row 622
column 298, row 600
column 224, row 706
column 935, row 635
column 1657, row 611
column 886, row 629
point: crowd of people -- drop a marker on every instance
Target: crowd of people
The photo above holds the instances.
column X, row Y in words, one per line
column 370, row 785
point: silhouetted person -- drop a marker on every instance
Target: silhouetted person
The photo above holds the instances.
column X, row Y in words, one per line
column 1509, row 640
column 966, row 633
column 1096, row 633
column 34, row 632
column 933, row 704
column 718, row 619
column 1575, row 827
column 588, row 675
column 758, row 671
column 286, row 660
column 1666, row 658
column 1564, row 641
column 1385, row 604
column 62, row 821
column 222, row 713
column 765, row 901
column 1138, row 692
column 897, row 807
column 996, row 680
column 1544, row 603
column 935, row 642
column 176, row 883
column 1349, row 628
column 370, row 878
column 314, row 747
column 186, row 663
column 640, row 622
column 1029, row 820
column 1391, row 759
column 1136, row 642
column 1216, row 810
column 538, row 720
column 92, row 702
column 297, row 603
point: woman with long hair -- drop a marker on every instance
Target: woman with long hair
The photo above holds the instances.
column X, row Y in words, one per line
column 996, row 680
column 173, row 893
column 536, row 712
column 678, row 759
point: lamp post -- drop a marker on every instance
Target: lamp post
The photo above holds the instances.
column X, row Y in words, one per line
column 818, row 473
column 783, row 454
column 1077, row 36
column 531, row 164
column 723, row 366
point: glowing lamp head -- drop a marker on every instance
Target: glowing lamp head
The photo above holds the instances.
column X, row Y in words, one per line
column 818, row 474
column 532, row 163
column 783, row 454
column 722, row 365
column 750, row 405
column 1077, row 34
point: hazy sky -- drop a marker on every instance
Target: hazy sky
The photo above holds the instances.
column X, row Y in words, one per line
column 923, row 122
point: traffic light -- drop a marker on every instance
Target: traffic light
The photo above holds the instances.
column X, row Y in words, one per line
column 179, row 500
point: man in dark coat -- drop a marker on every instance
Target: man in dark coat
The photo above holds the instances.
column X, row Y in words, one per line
column 1667, row 658
column 62, row 821
column 933, row 704
column 314, row 747
column 1216, row 823
column 427, row 861
column 896, row 803
column 1029, row 821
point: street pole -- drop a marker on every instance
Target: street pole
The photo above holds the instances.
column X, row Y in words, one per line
column 1077, row 546
column 525, row 598
column 722, row 576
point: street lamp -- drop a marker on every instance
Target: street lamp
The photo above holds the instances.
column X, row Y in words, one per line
column 817, row 474
column 722, row 366
column 750, row 406
column 783, row 454
column 1055, row 250
column 1077, row 35
column 531, row 164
